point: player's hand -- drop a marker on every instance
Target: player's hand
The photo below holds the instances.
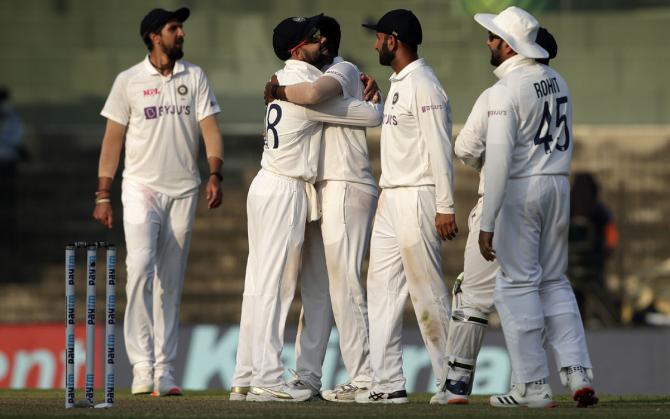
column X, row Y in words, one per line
column 103, row 214
column 214, row 193
column 486, row 245
column 267, row 93
column 446, row 225
column 370, row 87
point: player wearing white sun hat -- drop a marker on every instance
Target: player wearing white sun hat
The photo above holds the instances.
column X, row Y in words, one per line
column 526, row 204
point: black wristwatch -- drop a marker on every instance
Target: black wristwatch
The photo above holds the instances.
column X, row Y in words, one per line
column 218, row 175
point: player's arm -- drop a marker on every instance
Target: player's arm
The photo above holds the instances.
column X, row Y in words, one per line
column 211, row 135
column 207, row 107
column 434, row 119
column 471, row 141
column 308, row 93
column 346, row 111
column 110, row 155
column 500, row 138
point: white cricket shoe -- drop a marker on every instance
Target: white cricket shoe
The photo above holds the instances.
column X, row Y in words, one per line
column 579, row 380
column 397, row 397
column 298, row 383
column 281, row 393
column 143, row 380
column 164, row 384
column 447, row 397
column 239, row 393
column 344, row 393
column 536, row 395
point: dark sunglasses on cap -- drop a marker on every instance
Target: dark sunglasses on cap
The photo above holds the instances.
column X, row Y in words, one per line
column 311, row 39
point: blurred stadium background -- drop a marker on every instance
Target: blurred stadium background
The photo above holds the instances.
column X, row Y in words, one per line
column 60, row 58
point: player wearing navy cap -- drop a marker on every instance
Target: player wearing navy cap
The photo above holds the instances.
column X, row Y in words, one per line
column 281, row 201
column 415, row 210
column 157, row 106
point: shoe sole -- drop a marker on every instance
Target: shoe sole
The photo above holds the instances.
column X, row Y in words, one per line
column 174, row 391
column 398, row 400
column 237, row 397
column 262, row 399
column 531, row 405
column 141, row 392
column 458, row 401
column 585, row 397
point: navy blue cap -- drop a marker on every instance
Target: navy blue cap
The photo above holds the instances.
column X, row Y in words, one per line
column 290, row 32
column 157, row 18
column 402, row 24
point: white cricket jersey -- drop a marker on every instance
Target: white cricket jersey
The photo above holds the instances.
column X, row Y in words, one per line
column 344, row 148
column 470, row 145
column 162, row 114
column 293, row 132
column 529, row 129
column 416, row 134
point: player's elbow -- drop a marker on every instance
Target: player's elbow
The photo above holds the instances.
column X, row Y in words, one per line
column 376, row 119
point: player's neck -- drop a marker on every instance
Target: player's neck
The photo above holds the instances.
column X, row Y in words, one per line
column 402, row 60
column 161, row 62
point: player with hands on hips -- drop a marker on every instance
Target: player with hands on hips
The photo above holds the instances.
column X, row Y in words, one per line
column 525, row 213
column 415, row 211
column 156, row 107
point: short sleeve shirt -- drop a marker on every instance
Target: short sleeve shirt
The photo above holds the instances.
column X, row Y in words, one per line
column 162, row 115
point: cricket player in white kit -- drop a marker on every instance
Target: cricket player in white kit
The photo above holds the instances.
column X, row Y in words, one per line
column 158, row 105
column 526, row 204
column 473, row 290
column 281, row 201
column 415, row 210
column 336, row 246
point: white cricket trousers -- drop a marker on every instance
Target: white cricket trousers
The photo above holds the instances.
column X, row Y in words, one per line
column 478, row 273
column 158, row 234
column 276, row 216
column 533, row 295
column 405, row 258
column 332, row 260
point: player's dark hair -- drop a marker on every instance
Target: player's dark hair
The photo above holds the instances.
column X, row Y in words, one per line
column 331, row 30
column 147, row 39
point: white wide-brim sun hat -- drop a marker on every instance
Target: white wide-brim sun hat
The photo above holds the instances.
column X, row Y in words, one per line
column 517, row 27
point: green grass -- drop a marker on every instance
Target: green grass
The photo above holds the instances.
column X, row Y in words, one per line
column 210, row 404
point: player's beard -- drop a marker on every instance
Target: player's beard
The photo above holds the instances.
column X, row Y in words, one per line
column 386, row 56
column 496, row 55
column 312, row 57
column 176, row 51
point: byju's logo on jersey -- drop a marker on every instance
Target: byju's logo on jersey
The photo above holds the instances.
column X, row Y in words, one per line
column 150, row 112
column 153, row 112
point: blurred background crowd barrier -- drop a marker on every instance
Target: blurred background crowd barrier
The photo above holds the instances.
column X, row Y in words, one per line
column 60, row 58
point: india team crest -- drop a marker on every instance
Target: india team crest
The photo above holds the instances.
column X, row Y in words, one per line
column 182, row 89
column 395, row 98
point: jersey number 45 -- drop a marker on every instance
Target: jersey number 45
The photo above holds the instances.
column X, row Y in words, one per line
column 546, row 127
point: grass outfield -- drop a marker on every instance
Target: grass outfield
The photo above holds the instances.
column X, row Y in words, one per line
column 49, row 403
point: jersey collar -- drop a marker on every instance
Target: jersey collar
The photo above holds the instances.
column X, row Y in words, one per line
column 336, row 60
column 512, row 64
column 408, row 69
column 149, row 68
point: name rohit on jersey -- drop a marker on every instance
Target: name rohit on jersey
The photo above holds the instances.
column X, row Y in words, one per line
column 546, row 87
column 153, row 112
